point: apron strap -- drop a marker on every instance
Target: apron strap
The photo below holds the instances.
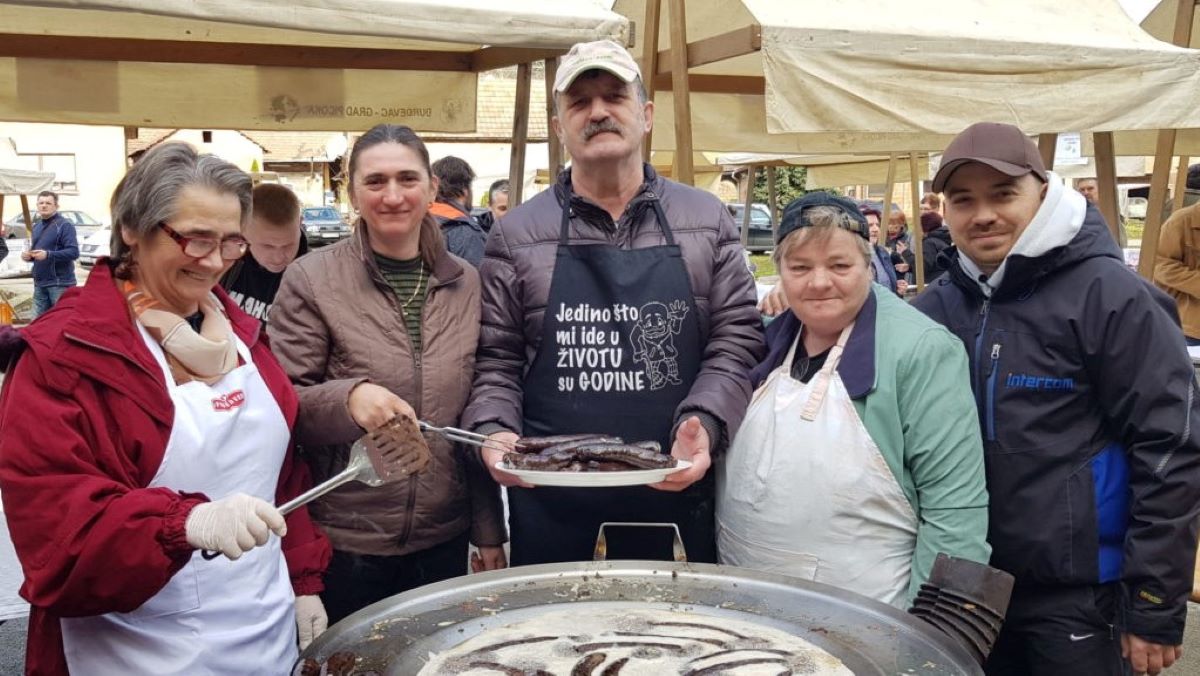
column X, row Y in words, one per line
column 817, row 397
column 659, row 215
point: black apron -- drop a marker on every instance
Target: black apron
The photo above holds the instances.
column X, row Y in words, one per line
column 620, row 350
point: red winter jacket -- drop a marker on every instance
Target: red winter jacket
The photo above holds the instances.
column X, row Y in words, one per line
column 84, row 421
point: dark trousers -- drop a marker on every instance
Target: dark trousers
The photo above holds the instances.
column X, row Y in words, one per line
column 1060, row 631
column 355, row 581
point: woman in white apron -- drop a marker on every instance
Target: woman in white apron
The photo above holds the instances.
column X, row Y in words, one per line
column 146, row 420
column 860, row 457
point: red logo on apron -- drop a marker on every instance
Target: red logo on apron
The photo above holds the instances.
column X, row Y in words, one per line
column 228, row 402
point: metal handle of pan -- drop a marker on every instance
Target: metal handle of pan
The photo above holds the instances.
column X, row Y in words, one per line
column 601, row 550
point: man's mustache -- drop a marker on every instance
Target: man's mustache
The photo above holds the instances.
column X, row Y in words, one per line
column 600, row 127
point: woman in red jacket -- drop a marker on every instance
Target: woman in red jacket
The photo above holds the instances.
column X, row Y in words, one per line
column 147, row 419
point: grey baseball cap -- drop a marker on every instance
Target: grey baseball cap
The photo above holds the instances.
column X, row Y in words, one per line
column 605, row 55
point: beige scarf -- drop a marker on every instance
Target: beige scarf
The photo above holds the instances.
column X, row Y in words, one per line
column 206, row 356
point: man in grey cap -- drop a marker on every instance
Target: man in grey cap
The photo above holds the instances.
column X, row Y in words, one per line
column 1087, row 402
column 617, row 303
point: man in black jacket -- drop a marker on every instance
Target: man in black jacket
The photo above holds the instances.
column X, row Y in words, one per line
column 936, row 240
column 452, row 209
column 276, row 238
column 1087, row 401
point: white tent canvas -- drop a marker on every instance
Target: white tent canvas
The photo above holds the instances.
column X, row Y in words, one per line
column 861, row 76
column 257, row 64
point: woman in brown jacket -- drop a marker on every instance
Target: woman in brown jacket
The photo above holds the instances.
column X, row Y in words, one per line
column 382, row 323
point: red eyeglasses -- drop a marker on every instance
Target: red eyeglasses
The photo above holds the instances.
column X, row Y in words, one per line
column 232, row 248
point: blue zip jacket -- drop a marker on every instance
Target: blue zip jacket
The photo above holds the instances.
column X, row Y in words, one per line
column 56, row 237
column 1086, row 396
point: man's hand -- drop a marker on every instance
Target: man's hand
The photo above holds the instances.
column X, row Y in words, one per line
column 774, row 303
column 38, row 254
column 488, row 558
column 372, row 406
column 26, row 256
column 493, row 452
column 1146, row 657
column 691, row 443
column 902, row 268
column 901, row 286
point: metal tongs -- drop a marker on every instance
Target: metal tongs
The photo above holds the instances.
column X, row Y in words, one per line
column 471, row 438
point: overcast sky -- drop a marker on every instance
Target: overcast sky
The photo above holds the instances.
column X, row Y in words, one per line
column 1138, row 9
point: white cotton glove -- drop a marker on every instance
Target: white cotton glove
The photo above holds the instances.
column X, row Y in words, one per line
column 233, row 525
column 311, row 620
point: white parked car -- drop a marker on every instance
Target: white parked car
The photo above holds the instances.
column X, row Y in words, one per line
column 94, row 246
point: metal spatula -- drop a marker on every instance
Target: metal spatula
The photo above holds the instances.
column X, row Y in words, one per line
column 374, row 461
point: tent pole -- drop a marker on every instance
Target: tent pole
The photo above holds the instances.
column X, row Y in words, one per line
column 887, row 195
column 1163, row 152
column 1106, row 172
column 1185, row 12
column 773, row 201
column 516, row 166
column 1181, row 170
column 1047, row 145
column 918, row 233
column 555, row 158
column 650, row 62
column 681, row 95
column 751, row 175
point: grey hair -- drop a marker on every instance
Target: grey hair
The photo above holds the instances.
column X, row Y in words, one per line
column 825, row 220
column 149, row 192
column 639, row 87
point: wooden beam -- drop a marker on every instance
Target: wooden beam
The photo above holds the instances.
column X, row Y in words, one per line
column 887, row 193
column 1047, row 144
column 554, row 145
column 1106, row 175
column 229, row 53
column 918, row 233
column 650, row 62
column 25, row 213
column 773, row 201
column 1164, row 150
column 745, row 40
column 684, row 172
column 516, row 166
column 751, row 176
column 1181, row 171
column 491, row 58
column 716, row 84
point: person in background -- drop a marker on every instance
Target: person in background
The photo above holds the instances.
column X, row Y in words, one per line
column 497, row 204
column 162, row 426
column 1087, row 401
column 1090, row 189
column 1177, row 267
column 380, row 324
column 882, row 270
column 53, row 248
column 653, row 266
column 276, row 238
column 936, row 240
column 452, row 209
column 855, row 369
column 899, row 242
column 931, row 202
column 1191, row 193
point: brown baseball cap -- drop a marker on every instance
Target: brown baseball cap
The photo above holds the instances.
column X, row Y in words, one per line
column 1002, row 147
column 605, row 55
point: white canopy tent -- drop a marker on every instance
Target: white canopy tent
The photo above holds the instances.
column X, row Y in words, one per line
column 860, row 76
column 332, row 65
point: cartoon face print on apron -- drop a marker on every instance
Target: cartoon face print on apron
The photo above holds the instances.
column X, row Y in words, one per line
column 804, row 490
column 218, row 616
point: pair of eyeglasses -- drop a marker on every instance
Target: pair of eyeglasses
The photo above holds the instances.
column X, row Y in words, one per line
column 232, row 248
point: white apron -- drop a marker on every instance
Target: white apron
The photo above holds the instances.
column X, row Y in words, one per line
column 219, row 616
column 804, row 491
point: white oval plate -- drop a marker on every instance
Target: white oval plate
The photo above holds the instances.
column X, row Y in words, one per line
column 638, row 477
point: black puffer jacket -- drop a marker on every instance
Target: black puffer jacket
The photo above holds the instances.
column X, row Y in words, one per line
column 1091, row 426
column 517, row 268
column 933, row 245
